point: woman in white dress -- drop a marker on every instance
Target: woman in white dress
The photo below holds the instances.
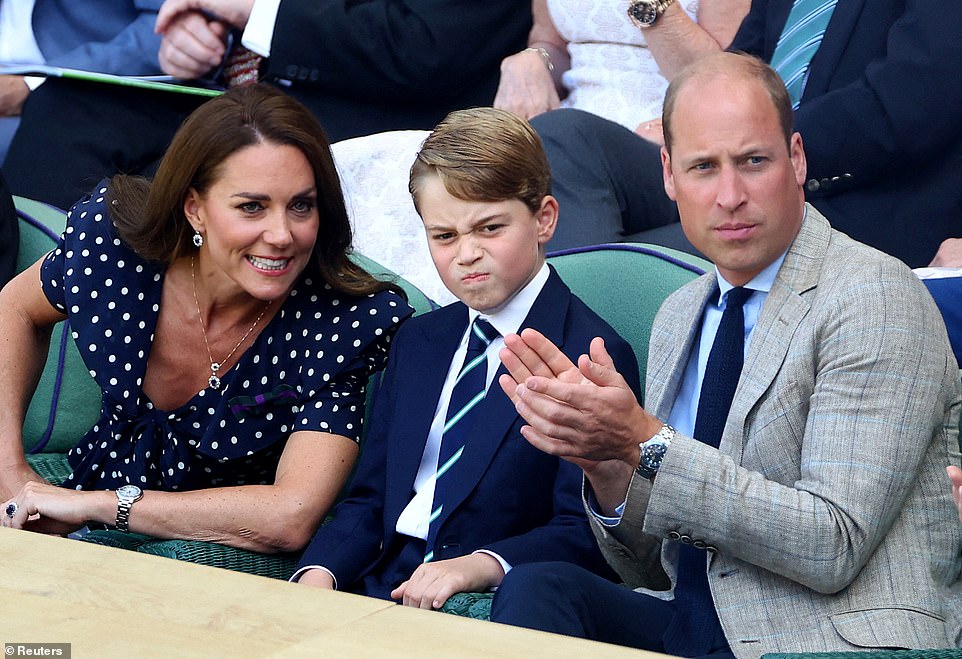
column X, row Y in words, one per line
column 599, row 62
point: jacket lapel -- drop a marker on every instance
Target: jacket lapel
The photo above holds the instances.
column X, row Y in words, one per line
column 418, row 394
column 784, row 309
column 547, row 315
column 670, row 348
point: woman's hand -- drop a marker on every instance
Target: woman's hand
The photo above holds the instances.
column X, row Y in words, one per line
column 526, row 88
column 50, row 509
column 433, row 583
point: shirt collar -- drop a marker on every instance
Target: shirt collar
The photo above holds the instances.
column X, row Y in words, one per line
column 508, row 319
column 763, row 281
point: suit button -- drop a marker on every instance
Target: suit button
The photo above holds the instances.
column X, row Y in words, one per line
column 315, row 74
column 699, row 544
column 674, row 535
column 813, row 185
column 291, row 71
column 686, row 539
column 711, row 549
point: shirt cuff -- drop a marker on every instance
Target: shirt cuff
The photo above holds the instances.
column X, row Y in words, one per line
column 604, row 519
column 259, row 32
column 297, row 575
column 504, row 564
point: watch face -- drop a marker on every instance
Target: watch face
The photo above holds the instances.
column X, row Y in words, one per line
column 643, row 14
column 653, row 454
column 129, row 492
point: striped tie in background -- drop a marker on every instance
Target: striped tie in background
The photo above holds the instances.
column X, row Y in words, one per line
column 800, row 39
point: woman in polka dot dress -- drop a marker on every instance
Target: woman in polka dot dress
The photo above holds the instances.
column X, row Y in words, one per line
column 230, row 334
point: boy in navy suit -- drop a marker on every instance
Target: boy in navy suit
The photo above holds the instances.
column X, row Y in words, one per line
column 448, row 495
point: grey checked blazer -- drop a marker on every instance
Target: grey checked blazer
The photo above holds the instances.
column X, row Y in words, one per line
column 826, row 509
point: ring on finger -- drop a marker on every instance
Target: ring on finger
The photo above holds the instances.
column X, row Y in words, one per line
column 11, row 509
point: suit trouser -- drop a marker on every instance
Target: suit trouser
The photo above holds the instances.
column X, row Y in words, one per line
column 608, row 183
column 9, row 234
column 566, row 599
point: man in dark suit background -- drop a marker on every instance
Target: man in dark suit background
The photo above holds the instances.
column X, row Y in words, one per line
column 881, row 116
column 9, row 234
column 360, row 67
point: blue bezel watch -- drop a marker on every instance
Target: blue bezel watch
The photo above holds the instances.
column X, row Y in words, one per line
column 653, row 452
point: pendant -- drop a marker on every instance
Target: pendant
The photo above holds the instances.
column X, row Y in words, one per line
column 213, row 380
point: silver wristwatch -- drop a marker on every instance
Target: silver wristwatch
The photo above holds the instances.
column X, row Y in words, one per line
column 127, row 496
column 653, row 452
column 644, row 13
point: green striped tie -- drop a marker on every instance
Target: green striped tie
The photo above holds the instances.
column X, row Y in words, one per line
column 800, row 39
column 469, row 390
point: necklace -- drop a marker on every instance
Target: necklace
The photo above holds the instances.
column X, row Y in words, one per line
column 214, row 380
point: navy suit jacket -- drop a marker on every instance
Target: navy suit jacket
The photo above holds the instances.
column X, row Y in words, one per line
column 366, row 67
column 510, row 498
column 108, row 36
column 881, row 119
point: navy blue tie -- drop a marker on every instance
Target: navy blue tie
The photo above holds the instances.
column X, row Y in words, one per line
column 695, row 624
column 469, row 390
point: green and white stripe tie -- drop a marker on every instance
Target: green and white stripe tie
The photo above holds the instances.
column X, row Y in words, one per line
column 469, row 390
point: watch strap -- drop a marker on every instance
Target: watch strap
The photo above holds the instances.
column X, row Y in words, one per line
column 652, row 452
column 644, row 13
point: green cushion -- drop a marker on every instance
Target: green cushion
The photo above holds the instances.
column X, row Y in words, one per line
column 67, row 400
column 275, row 566
column 470, row 605
column 51, row 466
column 417, row 299
column 625, row 283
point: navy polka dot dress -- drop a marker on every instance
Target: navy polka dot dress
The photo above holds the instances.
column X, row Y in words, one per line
column 307, row 370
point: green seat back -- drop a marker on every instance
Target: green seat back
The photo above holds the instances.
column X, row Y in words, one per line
column 625, row 283
column 416, row 298
column 67, row 400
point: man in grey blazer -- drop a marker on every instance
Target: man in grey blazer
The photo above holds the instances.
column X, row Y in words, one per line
column 822, row 514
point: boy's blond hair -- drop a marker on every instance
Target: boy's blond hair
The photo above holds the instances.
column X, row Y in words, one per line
column 484, row 154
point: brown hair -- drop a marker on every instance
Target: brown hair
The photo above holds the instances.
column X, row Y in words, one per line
column 484, row 154
column 150, row 215
column 733, row 64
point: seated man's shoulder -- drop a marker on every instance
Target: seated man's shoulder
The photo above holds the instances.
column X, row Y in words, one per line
column 850, row 264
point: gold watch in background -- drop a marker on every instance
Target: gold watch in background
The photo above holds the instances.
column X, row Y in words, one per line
column 644, row 13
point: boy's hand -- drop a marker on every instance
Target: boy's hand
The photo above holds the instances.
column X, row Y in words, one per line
column 433, row 583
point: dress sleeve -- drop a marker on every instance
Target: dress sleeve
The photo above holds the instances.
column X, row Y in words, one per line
column 362, row 338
